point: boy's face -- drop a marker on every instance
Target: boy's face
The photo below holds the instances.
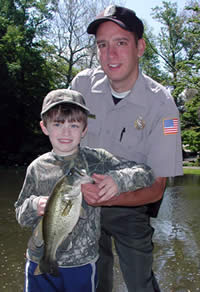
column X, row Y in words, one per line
column 64, row 136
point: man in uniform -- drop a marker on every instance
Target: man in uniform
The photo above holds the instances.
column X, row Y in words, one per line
column 135, row 118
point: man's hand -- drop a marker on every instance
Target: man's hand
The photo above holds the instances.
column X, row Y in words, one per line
column 107, row 186
column 101, row 191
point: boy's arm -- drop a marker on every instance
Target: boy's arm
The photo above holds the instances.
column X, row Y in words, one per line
column 132, row 177
column 128, row 175
column 26, row 207
column 26, row 213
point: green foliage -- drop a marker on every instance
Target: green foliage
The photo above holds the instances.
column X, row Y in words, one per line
column 169, row 39
column 190, row 117
column 150, row 60
column 192, row 138
column 178, row 47
column 190, row 122
column 24, row 72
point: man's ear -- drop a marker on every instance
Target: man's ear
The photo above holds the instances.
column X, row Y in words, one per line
column 141, row 47
column 44, row 129
column 84, row 132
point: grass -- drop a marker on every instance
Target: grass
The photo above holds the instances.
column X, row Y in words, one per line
column 191, row 170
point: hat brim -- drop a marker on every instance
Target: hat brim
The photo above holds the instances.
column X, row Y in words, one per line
column 66, row 102
column 93, row 26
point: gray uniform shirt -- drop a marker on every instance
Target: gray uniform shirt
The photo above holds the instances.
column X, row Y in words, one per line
column 81, row 247
column 143, row 127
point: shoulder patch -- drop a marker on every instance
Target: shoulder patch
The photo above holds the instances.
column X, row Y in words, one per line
column 170, row 126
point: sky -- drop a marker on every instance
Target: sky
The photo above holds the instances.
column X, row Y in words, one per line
column 143, row 10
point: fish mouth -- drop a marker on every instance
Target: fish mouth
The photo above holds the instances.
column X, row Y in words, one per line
column 80, row 173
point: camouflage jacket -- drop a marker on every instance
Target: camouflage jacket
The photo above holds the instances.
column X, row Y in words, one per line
column 81, row 246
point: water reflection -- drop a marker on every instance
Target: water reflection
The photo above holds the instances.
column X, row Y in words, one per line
column 13, row 238
column 176, row 238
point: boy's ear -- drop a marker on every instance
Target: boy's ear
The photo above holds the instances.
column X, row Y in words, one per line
column 44, row 129
column 84, row 132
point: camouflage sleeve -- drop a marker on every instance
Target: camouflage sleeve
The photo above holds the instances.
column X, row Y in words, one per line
column 132, row 178
column 26, row 205
column 128, row 175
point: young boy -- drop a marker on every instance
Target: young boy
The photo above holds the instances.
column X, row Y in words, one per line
column 64, row 119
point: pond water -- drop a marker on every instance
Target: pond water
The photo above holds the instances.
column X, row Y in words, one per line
column 176, row 237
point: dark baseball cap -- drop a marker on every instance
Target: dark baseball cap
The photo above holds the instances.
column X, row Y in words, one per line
column 124, row 17
column 60, row 96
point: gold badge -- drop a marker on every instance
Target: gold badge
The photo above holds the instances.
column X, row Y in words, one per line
column 110, row 10
column 139, row 123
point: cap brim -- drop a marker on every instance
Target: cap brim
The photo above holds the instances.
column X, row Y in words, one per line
column 69, row 102
column 93, row 26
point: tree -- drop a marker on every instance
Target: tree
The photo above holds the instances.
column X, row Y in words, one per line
column 169, row 41
column 178, row 47
column 190, row 69
column 74, row 48
column 24, row 72
column 177, row 43
column 191, row 124
column 43, row 44
column 150, row 62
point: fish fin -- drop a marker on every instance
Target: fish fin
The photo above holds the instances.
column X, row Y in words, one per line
column 49, row 267
column 38, row 234
column 67, row 208
column 69, row 246
column 83, row 214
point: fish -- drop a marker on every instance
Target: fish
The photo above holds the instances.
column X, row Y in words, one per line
column 61, row 215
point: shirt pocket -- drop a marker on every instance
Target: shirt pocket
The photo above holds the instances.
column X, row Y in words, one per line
column 130, row 136
column 130, row 143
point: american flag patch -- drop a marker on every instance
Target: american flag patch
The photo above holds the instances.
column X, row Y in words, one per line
column 170, row 126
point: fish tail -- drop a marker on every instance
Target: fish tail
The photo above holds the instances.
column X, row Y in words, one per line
column 49, row 266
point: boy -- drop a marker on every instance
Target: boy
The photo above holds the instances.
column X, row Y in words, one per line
column 64, row 119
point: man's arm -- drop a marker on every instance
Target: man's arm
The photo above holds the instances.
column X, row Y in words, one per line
column 132, row 198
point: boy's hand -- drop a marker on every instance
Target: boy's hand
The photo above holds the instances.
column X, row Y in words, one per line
column 41, row 205
column 103, row 190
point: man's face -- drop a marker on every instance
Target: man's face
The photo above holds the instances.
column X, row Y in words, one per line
column 118, row 54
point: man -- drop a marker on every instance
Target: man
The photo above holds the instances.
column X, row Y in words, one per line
column 135, row 118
